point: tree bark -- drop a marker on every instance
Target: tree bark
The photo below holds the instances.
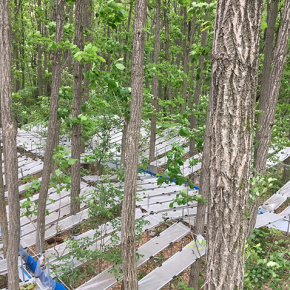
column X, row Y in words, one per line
column 155, row 84
column 197, row 92
column 167, row 48
column 127, row 33
column 279, row 59
column 3, row 213
column 81, row 9
column 124, row 143
column 268, row 56
column 233, row 87
column 185, row 60
column 9, row 132
column 39, row 55
column 128, row 244
column 53, row 129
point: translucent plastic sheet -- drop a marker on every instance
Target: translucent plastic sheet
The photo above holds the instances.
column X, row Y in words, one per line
column 55, row 228
column 281, row 156
column 266, row 219
column 278, row 198
column 99, row 245
column 105, row 229
column 170, row 268
column 282, row 225
column 44, row 277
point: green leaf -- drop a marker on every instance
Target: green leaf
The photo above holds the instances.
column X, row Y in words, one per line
column 120, row 66
column 264, row 25
column 71, row 161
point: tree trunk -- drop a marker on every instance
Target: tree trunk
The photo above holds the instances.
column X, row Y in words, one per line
column 39, row 55
column 9, row 132
column 167, row 48
column 128, row 243
column 81, row 9
column 268, row 56
column 197, row 93
column 3, row 213
column 52, row 131
column 232, row 102
column 155, row 84
column 279, row 59
column 127, row 33
column 185, row 61
column 124, row 143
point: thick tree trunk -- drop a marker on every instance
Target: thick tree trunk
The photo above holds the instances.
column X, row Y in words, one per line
column 81, row 10
column 279, row 59
column 128, row 244
column 234, row 65
column 16, row 83
column 3, row 213
column 197, row 92
column 268, row 56
column 9, row 132
column 52, row 132
column 155, row 84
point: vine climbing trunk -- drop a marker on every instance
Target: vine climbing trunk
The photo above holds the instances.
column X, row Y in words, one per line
column 9, row 132
column 279, row 60
column 235, row 56
column 53, row 128
column 128, row 240
column 155, row 84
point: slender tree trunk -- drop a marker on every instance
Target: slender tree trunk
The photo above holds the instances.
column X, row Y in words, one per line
column 16, row 83
column 53, row 129
column 231, row 119
column 81, row 9
column 124, row 143
column 268, row 56
column 167, row 48
column 127, row 33
column 185, row 60
column 197, row 92
column 155, row 83
column 39, row 55
column 3, row 213
column 279, row 59
column 128, row 243
column 9, row 132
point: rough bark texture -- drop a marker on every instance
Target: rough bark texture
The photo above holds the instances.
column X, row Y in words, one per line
column 128, row 244
column 9, row 131
column 3, row 213
column 124, row 143
column 197, row 92
column 155, row 83
column 279, row 59
column 268, row 56
column 81, row 8
column 235, row 56
column 128, row 31
column 53, row 130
